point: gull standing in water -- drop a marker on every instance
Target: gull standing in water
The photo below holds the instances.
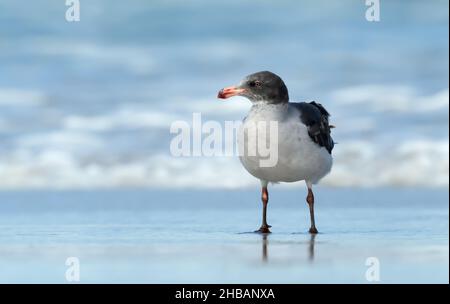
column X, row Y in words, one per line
column 303, row 137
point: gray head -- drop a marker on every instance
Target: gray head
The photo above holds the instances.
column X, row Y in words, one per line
column 262, row 86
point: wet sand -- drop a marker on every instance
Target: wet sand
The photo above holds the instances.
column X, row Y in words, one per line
column 149, row 236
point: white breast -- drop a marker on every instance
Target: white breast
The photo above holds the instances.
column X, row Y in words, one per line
column 298, row 157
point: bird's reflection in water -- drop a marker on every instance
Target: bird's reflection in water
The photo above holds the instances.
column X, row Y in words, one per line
column 312, row 242
column 265, row 247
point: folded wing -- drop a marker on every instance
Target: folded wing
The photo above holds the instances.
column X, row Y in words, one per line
column 315, row 117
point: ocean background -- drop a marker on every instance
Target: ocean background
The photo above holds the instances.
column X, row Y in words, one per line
column 90, row 104
column 85, row 165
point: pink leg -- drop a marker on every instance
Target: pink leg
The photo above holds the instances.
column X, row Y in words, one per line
column 265, row 200
column 310, row 201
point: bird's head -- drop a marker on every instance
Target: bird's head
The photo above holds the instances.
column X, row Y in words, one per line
column 259, row 87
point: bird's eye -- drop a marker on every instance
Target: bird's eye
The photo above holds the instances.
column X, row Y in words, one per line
column 255, row 83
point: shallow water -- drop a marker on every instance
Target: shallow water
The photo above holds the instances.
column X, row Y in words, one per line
column 141, row 236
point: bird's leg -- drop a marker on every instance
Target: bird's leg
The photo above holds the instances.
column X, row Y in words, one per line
column 265, row 199
column 310, row 201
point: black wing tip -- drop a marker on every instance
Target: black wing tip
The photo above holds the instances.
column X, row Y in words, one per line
column 320, row 131
column 321, row 108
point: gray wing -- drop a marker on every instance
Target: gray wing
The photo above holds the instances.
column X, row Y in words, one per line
column 315, row 117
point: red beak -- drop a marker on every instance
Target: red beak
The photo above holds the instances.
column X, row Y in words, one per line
column 229, row 91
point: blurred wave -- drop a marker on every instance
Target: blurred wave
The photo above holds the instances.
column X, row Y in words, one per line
column 90, row 104
column 87, row 151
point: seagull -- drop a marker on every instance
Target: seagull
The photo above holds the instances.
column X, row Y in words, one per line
column 303, row 137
